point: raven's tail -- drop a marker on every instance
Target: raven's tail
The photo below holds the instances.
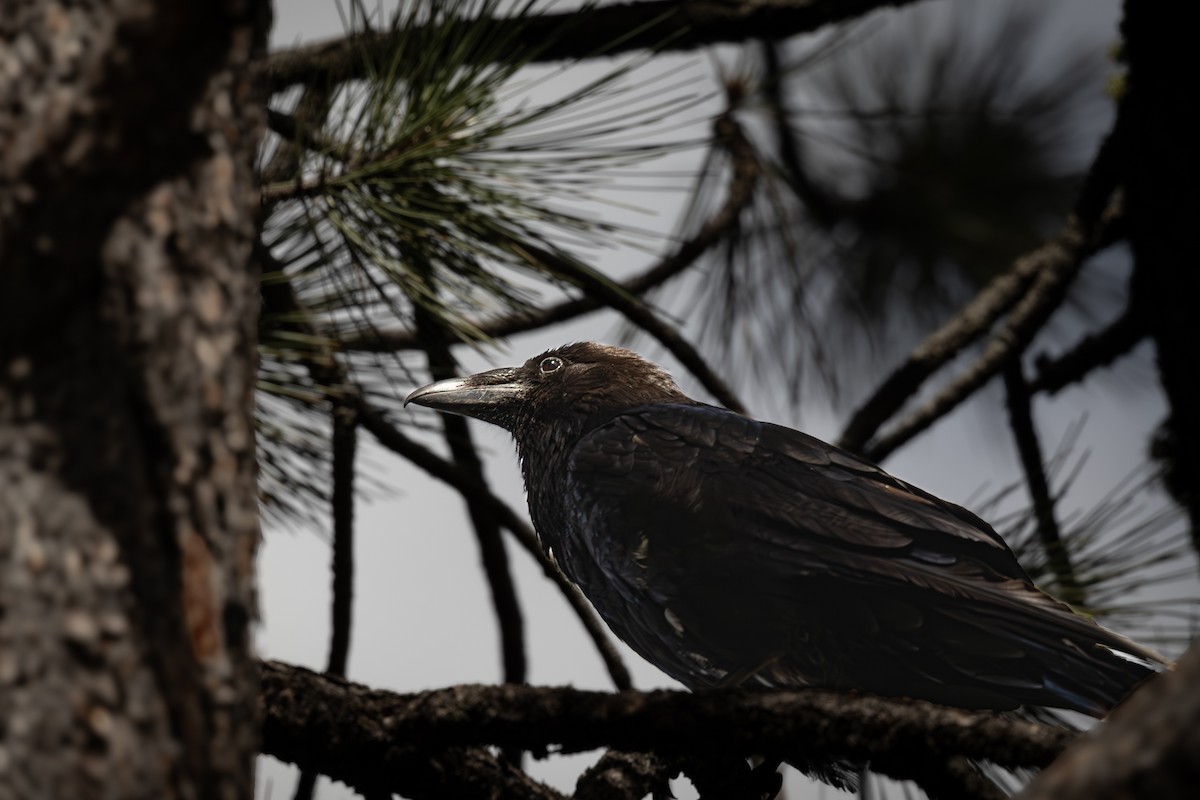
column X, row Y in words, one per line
column 1081, row 665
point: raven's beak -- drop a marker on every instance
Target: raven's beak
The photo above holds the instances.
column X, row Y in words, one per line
column 479, row 396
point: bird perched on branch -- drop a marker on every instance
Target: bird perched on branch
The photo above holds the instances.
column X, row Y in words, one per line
column 728, row 551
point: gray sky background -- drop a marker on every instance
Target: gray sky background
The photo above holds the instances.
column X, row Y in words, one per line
column 422, row 615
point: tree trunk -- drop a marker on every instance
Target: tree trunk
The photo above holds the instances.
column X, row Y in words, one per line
column 128, row 308
column 1161, row 166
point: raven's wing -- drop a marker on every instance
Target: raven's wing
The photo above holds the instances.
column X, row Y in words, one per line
column 771, row 554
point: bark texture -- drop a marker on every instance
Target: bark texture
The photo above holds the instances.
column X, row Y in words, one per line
column 128, row 520
column 367, row 735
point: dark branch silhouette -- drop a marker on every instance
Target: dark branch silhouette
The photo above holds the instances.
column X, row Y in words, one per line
column 344, row 443
column 1058, row 263
column 310, row 111
column 1043, row 273
column 310, row 717
column 1020, row 417
column 659, row 25
column 1092, row 352
column 345, row 447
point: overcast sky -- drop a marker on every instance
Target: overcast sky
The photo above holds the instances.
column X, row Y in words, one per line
column 422, row 615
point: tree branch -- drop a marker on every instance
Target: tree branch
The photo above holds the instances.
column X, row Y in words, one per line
column 625, row 776
column 310, row 112
column 824, row 208
column 311, row 732
column 1020, row 416
column 660, row 25
column 1092, row 352
column 637, row 312
column 345, row 447
column 352, row 726
column 937, row 349
column 1058, row 263
column 1037, row 272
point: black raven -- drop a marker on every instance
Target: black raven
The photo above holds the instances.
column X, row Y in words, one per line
column 728, row 551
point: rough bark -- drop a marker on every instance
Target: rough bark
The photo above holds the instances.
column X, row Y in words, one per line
column 128, row 519
column 310, row 718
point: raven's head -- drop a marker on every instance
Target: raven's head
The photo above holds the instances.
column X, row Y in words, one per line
column 576, row 381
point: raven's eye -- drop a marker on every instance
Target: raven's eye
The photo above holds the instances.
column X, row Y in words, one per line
column 550, row 364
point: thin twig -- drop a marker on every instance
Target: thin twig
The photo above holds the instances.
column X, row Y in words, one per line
column 1020, row 417
column 390, row 437
column 937, row 349
column 276, row 193
column 744, row 176
column 345, row 447
column 310, row 112
column 1092, row 352
column 344, row 444
column 1085, row 231
column 1057, row 264
column 823, row 207
column 294, row 128
column 636, row 311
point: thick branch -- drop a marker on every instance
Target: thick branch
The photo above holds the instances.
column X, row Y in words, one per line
column 311, row 732
column 662, row 25
column 744, row 177
column 899, row 738
column 1165, row 282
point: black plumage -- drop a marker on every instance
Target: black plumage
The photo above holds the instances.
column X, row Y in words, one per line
column 728, row 551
